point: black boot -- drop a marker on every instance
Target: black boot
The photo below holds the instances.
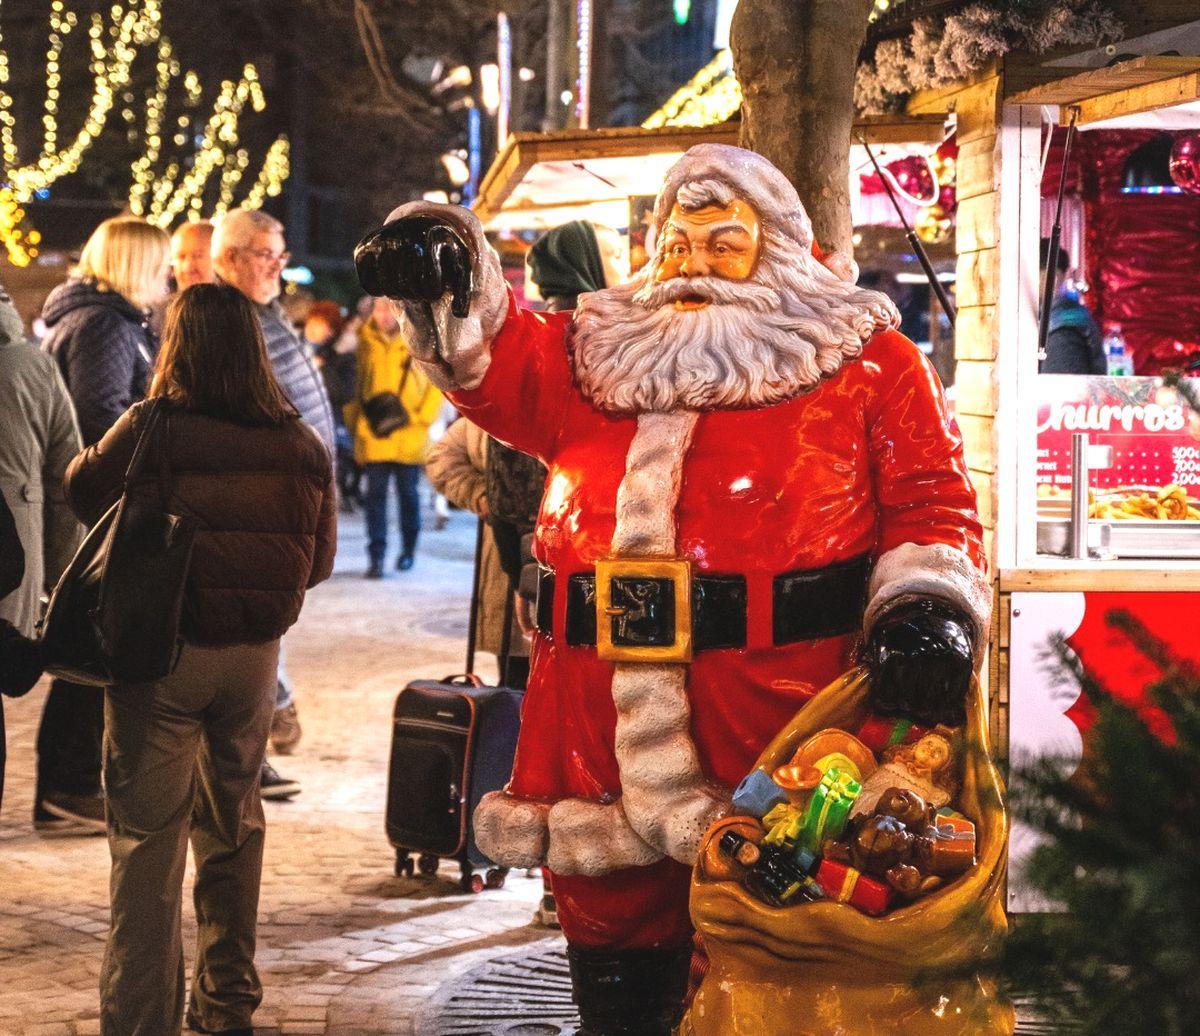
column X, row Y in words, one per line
column 629, row 992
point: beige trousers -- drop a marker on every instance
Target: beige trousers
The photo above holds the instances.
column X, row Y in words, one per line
column 182, row 757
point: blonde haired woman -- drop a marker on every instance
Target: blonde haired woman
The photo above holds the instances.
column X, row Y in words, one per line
column 101, row 339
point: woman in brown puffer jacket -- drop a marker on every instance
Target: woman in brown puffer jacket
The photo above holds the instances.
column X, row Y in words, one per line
column 233, row 454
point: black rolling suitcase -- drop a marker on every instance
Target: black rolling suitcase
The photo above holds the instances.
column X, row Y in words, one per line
column 453, row 740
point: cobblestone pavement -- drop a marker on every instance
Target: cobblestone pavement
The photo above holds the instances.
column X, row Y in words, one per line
column 344, row 947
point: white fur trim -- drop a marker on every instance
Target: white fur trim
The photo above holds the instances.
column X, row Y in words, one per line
column 594, row 838
column 648, row 493
column 663, row 789
column 466, row 344
column 664, row 792
column 931, row 570
column 511, row 831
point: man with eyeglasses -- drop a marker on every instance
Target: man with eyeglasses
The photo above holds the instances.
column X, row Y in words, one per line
column 248, row 252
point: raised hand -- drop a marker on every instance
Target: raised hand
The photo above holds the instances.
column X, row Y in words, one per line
column 418, row 258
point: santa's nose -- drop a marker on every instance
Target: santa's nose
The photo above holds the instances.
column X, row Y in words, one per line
column 695, row 265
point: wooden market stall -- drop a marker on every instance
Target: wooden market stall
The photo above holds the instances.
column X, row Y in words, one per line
column 1139, row 545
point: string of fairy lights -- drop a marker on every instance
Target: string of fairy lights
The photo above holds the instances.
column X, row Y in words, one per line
column 713, row 95
column 160, row 195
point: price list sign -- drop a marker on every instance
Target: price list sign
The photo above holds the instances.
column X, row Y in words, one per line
column 1153, row 432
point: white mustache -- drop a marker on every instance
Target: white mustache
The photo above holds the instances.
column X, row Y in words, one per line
column 756, row 297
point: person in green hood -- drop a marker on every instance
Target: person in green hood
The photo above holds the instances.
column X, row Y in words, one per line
column 575, row 258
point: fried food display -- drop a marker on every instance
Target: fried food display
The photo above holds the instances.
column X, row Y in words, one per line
column 1134, row 503
column 1167, row 503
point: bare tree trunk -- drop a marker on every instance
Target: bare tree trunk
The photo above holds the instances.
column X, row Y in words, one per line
column 796, row 60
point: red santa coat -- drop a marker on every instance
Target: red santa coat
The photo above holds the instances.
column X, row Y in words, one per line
column 864, row 463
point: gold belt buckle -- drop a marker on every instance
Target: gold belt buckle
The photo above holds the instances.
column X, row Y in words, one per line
column 678, row 572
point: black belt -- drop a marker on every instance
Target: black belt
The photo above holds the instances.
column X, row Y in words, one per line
column 806, row 605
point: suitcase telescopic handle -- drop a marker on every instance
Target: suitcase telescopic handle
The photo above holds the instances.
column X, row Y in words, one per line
column 463, row 680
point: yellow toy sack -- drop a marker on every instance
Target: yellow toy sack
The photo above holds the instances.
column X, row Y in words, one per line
column 825, row 969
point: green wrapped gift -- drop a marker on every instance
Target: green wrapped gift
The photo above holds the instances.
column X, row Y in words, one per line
column 828, row 809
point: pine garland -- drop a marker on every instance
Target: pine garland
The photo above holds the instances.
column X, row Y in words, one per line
column 945, row 51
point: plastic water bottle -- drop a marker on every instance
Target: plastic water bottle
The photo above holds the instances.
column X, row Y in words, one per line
column 1114, row 349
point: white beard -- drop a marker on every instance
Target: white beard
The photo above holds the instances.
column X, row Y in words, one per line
column 757, row 343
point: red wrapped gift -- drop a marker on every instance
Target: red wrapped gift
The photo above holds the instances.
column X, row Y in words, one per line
column 844, row 884
column 880, row 732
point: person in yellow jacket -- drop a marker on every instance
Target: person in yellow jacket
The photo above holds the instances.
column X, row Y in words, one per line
column 389, row 418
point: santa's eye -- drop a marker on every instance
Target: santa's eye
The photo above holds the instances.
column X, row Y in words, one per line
column 722, row 250
column 678, row 250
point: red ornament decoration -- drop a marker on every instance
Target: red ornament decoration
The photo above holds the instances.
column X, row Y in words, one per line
column 914, row 178
column 1185, row 162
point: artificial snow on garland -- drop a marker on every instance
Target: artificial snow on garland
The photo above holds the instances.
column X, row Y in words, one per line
column 942, row 51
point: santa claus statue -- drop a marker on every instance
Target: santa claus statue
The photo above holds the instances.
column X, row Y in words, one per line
column 752, row 480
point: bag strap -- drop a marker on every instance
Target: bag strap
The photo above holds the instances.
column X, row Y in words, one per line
column 138, row 460
column 475, row 581
column 164, row 460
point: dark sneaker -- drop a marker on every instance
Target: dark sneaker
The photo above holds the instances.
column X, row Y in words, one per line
column 276, row 788
column 69, row 814
column 375, row 571
column 404, row 562
column 285, row 730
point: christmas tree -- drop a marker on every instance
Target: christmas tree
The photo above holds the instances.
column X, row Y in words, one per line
column 1121, row 857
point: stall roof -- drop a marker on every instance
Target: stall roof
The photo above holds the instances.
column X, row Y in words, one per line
column 540, row 180
column 1123, row 88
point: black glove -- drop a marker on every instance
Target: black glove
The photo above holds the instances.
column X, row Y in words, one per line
column 21, row 661
column 416, row 259
column 920, row 657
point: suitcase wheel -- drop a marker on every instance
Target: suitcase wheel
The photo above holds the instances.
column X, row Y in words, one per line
column 427, row 864
column 495, row 877
column 473, row 883
column 404, row 865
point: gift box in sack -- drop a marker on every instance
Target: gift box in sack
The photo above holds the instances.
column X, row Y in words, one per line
column 825, row 968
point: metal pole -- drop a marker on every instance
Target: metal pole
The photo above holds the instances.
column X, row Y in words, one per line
column 504, row 63
column 556, row 33
column 938, row 288
column 583, row 87
column 1053, row 249
column 1079, row 495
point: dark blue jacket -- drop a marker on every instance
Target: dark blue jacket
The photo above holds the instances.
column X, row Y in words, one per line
column 1074, row 344
column 296, row 373
column 104, row 348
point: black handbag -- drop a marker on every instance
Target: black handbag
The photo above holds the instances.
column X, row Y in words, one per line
column 114, row 617
column 385, row 411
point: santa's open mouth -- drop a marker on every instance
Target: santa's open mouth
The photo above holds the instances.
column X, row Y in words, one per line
column 691, row 300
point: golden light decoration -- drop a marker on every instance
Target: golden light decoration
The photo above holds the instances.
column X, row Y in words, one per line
column 275, row 169
column 20, row 242
column 713, row 95
column 156, row 106
column 114, row 41
column 933, row 225
column 171, row 199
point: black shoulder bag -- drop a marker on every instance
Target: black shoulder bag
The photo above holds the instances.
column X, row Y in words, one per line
column 385, row 411
column 114, row 616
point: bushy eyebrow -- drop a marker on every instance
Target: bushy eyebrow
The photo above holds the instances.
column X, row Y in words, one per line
column 720, row 228
column 728, row 228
